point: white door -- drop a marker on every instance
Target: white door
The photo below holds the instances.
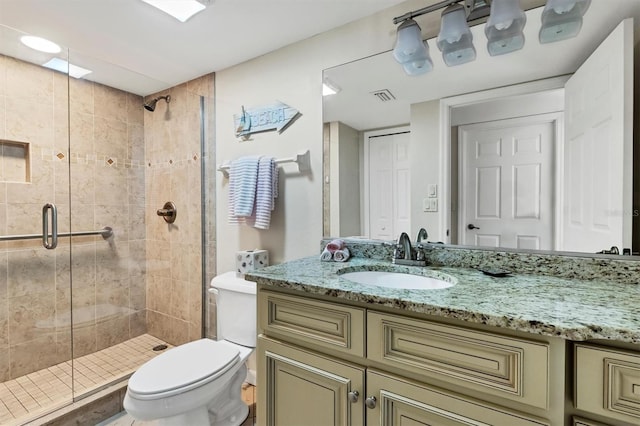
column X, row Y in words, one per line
column 389, row 185
column 506, row 183
column 596, row 200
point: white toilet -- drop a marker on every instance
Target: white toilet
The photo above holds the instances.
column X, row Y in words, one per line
column 199, row 383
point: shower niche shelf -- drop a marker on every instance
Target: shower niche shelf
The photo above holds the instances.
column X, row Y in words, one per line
column 14, row 162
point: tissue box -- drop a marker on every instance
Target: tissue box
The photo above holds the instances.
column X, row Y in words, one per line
column 250, row 260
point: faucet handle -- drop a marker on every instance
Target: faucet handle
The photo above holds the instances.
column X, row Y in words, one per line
column 398, row 251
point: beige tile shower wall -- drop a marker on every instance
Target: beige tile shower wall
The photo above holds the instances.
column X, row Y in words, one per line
column 107, row 189
column 174, row 267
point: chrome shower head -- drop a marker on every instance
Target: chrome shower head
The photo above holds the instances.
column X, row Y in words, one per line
column 151, row 105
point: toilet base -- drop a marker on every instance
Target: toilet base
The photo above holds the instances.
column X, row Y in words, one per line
column 198, row 417
column 228, row 408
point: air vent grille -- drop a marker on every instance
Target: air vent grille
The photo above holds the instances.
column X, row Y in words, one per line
column 384, row 95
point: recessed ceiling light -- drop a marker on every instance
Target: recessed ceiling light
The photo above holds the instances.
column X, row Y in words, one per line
column 64, row 66
column 41, row 44
column 182, row 10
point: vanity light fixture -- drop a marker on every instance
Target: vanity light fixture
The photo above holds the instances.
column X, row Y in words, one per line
column 562, row 19
column 63, row 66
column 504, row 27
column 455, row 40
column 40, row 44
column 182, row 10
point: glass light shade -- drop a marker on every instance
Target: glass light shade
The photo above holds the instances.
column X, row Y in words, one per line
column 409, row 43
column 420, row 64
column 504, row 27
column 562, row 19
column 455, row 40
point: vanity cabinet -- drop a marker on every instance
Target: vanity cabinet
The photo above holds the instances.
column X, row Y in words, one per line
column 322, row 363
column 607, row 383
column 300, row 387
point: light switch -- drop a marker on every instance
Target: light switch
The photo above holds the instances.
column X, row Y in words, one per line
column 430, row 205
column 432, row 190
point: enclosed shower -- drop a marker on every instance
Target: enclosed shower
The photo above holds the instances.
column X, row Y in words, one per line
column 92, row 280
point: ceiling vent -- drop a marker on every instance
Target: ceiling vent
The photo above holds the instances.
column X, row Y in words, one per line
column 384, row 95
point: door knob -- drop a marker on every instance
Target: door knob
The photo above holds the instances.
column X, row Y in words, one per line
column 353, row 396
column 371, row 402
column 471, row 227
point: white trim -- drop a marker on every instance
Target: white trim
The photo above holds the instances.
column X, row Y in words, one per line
column 447, row 104
column 364, row 207
column 558, row 203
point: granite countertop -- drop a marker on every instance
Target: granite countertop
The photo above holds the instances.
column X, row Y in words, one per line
column 571, row 309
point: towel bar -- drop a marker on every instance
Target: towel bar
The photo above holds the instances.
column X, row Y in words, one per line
column 105, row 232
column 302, row 160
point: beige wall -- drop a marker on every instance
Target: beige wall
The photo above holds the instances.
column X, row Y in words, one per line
column 107, row 183
column 344, row 180
column 292, row 75
column 426, row 167
column 174, row 268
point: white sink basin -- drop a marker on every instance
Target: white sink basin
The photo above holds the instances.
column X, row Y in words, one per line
column 396, row 280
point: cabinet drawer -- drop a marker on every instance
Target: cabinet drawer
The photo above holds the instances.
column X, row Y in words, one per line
column 506, row 367
column 401, row 401
column 312, row 323
column 608, row 383
column 582, row 422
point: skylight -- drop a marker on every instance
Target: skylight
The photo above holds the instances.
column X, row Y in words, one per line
column 182, row 10
column 64, row 66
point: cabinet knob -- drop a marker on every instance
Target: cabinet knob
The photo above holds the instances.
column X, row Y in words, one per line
column 353, row 396
column 371, row 402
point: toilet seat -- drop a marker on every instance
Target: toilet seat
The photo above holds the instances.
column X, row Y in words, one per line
column 183, row 368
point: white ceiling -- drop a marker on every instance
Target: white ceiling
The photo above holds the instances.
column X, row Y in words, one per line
column 135, row 47
column 358, row 108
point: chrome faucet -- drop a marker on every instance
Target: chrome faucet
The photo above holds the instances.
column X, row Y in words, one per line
column 404, row 243
column 404, row 254
column 422, row 235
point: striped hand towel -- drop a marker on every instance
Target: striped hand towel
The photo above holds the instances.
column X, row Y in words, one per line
column 266, row 192
column 243, row 179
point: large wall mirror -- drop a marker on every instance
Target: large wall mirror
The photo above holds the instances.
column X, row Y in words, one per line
column 532, row 150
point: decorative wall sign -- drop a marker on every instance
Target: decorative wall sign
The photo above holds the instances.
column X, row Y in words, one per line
column 276, row 116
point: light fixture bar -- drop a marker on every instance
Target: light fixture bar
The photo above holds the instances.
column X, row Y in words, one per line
column 424, row 10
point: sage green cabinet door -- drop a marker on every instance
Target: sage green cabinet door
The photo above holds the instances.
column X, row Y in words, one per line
column 400, row 402
column 301, row 388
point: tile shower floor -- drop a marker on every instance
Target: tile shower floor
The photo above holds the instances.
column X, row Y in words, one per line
column 37, row 393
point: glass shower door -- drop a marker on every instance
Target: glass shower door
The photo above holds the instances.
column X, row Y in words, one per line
column 35, row 292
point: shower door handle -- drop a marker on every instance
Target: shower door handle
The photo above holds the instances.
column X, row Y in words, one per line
column 49, row 245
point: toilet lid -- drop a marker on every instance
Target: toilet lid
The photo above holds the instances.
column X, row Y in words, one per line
column 182, row 366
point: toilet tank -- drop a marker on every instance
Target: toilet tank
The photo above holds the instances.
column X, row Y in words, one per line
column 235, row 308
